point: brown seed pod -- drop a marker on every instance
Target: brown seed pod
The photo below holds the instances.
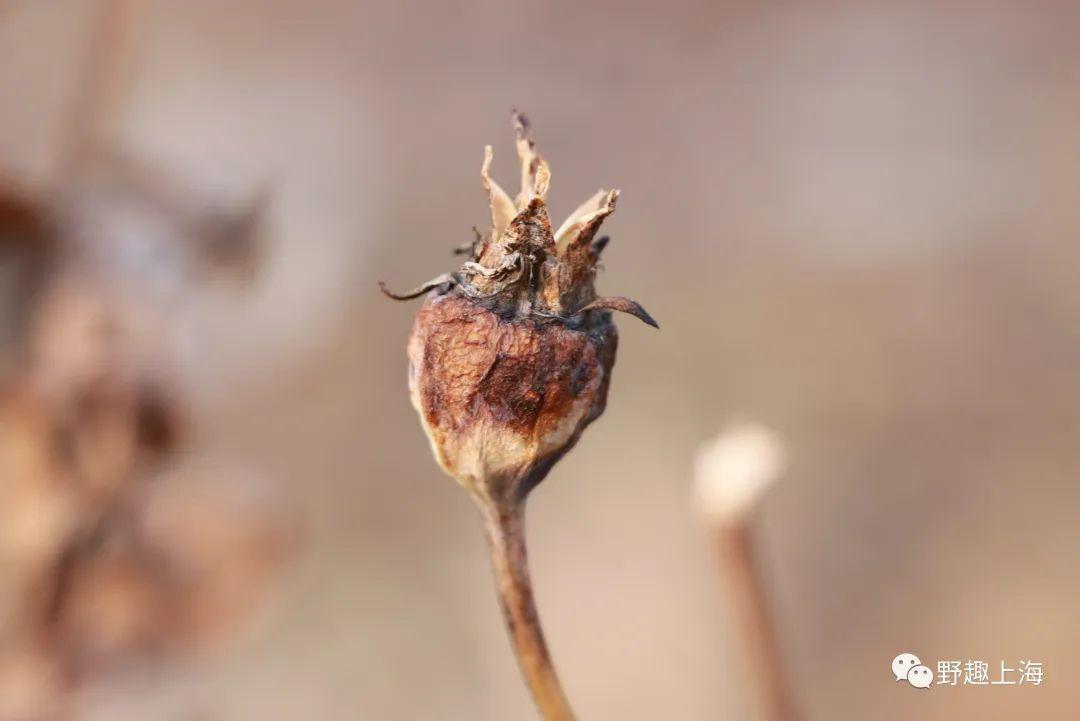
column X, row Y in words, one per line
column 503, row 399
column 511, row 356
column 510, row 359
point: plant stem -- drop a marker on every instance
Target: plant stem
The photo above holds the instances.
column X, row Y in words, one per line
column 505, row 526
column 104, row 78
column 754, row 620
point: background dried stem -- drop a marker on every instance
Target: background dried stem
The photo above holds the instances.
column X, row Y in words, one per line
column 765, row 670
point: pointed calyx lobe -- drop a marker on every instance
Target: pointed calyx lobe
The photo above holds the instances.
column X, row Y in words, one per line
column 521, row 267
column 511, row 356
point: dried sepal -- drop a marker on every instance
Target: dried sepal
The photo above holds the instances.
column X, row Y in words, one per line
column 573, row 223
column 535, row 173
column 577, row 262
column 502, row 207
column 623, row 305
column 524, row 247
column 444, row 282
column 470, row 248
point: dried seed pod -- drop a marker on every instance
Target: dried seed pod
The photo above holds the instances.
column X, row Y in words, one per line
column 510, row 359
column 503, row 399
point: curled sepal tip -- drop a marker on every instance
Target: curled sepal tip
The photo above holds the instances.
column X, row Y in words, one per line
column 443, row 282
column 624, row 305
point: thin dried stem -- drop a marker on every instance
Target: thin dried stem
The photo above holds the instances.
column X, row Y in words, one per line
column 505, row 526
column 754, row 619
column 733, row 473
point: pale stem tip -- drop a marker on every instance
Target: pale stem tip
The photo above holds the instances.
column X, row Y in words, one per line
column 734, row 470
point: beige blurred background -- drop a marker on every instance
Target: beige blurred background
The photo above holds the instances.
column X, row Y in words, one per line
column 855, row 223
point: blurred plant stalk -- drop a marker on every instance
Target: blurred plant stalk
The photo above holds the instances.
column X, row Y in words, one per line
column 733, row 472
column 117, row 546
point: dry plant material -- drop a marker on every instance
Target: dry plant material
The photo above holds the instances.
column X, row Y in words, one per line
column 510, row 359
column 114, row 546
column 732, row 474
column 113, row 549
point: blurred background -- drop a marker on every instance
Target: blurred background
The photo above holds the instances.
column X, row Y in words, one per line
column 854, row 222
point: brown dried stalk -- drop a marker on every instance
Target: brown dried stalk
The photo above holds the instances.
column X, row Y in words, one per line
column 510, row 360
column 506, row 537
column 732, row 474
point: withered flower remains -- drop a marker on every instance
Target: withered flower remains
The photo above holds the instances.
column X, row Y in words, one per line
column 510, row 359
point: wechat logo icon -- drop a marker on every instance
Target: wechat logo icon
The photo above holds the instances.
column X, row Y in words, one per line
column 908, row 667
